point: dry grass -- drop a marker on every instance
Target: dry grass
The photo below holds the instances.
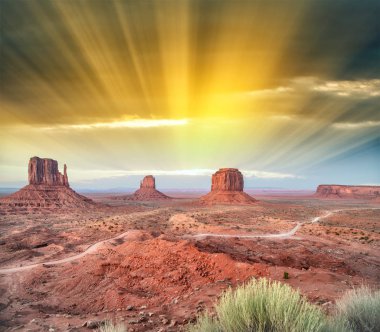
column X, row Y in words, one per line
column 262, row 306
column 111, row 327
column 358, row 311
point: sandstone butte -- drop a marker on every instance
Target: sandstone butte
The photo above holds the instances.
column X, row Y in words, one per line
column 48, row 189
column 227, row 187
column 348, row 192
column 148, row 191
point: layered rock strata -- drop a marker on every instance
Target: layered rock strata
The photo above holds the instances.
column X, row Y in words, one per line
column 48, row 190
column 148, row 191
column 348, row 192
column 227, row 187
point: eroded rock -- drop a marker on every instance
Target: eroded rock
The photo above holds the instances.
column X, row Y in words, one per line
column 227, row 187
column 45, row 171
column 148, row 191
column 348, row 192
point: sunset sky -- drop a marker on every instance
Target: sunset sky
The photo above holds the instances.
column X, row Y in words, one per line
column 286, row 91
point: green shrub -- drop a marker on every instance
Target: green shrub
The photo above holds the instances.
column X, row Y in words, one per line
column 286, row 275
column 358, row 311
column 110, row 327
column 262, row 306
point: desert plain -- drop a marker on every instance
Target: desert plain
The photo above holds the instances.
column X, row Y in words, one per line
column 155, row 265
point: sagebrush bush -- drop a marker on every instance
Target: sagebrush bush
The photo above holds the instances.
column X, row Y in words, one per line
column 358, row 311
column 110, row 327
column 262, row 306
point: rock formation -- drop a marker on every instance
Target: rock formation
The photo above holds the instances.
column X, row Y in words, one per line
column 148, row 191
column 148, row 182
column 45, row 171
column 227, row 186
column 348, row 192
column 48, row 189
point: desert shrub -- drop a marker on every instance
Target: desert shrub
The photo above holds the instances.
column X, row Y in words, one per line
column 262, row 306
column 358, row 311
column 110, row 327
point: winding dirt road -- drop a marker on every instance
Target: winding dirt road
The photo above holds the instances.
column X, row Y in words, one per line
column 284, row 235
column 93, row 247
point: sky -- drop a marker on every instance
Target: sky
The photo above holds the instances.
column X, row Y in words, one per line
column 286, row 91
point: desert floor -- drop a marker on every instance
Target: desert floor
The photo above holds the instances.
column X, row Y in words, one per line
column 155, row 265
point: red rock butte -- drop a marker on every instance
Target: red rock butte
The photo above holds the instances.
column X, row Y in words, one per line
column 148, row 191
column 227, row 187
column 336, row 191
column 48, row 189
column 45, row 171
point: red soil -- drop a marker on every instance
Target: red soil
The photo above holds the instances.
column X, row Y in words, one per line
column 144, row 272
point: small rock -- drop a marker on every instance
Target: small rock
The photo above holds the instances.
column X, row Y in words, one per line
column 129, row 308
column 173, row 323
column 164, row 321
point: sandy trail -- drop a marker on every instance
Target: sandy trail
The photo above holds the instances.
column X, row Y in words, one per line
column 93, row 247
column 90, row 249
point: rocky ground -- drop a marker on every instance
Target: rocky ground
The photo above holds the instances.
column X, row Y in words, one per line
column 162, row 263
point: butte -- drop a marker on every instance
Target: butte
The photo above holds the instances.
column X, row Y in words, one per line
column 48, row 190
column 148, row 191
column 227, row 187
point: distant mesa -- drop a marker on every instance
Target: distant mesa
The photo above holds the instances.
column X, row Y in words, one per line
column 334, row 191
column 48, row 189
column 227, row 187
column 148, row 191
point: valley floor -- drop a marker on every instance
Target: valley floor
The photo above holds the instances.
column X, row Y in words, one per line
column 155, row 265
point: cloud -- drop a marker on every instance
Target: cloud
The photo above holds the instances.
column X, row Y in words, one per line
column 359, row 88
column 270, row 92
column 133, row 123
column 269, row 175
column 356, row 125
column 91, row 174
column 284, row 117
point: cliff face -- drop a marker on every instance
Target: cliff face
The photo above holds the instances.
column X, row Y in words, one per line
column 342, row 191
column 227, row 186
column 148, row 182
column 45, row 171
column 229, row 179
column 48, row 190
